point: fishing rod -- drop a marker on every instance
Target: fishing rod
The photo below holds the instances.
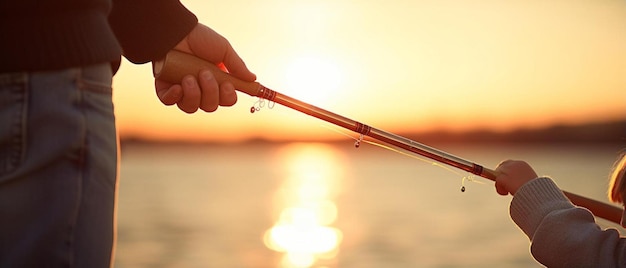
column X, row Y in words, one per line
column 177, row 64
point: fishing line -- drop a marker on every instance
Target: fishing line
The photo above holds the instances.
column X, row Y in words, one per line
column 358, row 141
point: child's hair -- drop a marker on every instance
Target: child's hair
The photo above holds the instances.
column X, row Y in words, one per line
column 618, row 178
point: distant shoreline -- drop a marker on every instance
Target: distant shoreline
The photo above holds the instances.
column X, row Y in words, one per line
column 604, row 132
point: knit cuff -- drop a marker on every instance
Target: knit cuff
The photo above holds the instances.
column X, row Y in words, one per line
column 534, row 201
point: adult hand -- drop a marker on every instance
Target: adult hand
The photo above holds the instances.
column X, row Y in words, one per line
column 201, row 90
column 512, row 174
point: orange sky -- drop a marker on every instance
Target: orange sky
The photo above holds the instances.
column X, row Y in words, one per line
column 402, row 66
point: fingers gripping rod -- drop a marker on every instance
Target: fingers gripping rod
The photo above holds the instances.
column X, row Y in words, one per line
column 177, row 64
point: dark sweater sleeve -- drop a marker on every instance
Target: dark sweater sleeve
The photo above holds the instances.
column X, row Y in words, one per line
column 147, row 29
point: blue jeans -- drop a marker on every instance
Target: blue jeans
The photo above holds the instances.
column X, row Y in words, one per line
column 58, row 168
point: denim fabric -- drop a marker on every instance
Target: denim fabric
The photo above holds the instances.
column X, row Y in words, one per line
column 58, row 168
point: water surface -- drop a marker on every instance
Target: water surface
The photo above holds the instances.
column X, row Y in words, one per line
column 331, row 205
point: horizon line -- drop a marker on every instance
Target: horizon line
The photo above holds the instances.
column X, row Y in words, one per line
column 613, row 131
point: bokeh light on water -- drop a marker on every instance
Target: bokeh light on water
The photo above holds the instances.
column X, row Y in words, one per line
column 305, row 206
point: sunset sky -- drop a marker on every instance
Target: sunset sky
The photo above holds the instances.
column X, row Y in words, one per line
column 402, row 66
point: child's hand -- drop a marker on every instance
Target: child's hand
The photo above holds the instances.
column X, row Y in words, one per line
column 512, row 174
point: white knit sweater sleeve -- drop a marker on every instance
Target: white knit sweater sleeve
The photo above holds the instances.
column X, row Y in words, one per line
column 561, row 234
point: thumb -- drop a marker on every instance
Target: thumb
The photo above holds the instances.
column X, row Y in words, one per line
column 207, row 44
column 237, row 67
column 501, row 189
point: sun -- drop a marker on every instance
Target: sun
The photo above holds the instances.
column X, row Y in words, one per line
column 312, row 78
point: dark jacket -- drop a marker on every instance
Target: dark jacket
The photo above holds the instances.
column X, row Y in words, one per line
column 47, row 35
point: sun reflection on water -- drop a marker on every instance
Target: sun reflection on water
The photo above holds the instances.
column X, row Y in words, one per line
column 304, row 230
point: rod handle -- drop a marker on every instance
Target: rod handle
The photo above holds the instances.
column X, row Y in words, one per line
column 176, row 65
column 599, row 209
